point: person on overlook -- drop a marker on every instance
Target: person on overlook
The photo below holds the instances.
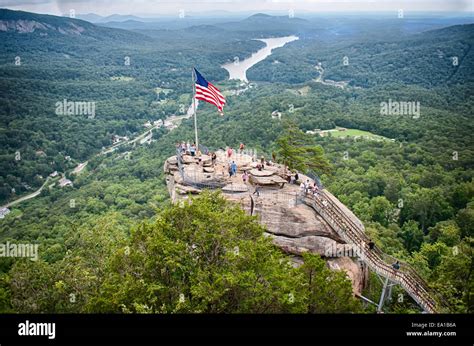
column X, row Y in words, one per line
column 302, row 188
column 257, row 190
column 213, row 158
column 199, row 155
column 296, row 177
column 192, row 150
column 188, row 147
column 242, row 147
column 315, row 190
column 233, row 167
column 245, row 177
column 229, row 152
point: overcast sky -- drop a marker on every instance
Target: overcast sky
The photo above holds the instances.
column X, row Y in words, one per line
column 170, row 7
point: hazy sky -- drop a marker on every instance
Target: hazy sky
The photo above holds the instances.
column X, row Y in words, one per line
column 170, row 7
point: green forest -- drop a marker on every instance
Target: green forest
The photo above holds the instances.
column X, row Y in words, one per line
column 113, row 242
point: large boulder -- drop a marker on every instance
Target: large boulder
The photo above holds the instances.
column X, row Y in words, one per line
column 293, row 226
column 274, row 180
column 262, row 173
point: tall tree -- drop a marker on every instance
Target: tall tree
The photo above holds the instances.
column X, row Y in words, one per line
column 299, row 151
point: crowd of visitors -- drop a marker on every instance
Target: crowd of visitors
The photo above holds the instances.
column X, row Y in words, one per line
column 308, row 188
column 188, row 149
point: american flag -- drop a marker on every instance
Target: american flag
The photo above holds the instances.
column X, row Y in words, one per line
column 207, row 92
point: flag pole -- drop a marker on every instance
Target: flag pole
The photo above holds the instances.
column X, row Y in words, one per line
column 194, row 111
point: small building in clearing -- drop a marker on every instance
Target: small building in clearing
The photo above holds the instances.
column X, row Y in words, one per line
column 4, row 212
column 64, row 182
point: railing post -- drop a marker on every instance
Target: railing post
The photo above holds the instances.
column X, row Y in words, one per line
column 382, row 296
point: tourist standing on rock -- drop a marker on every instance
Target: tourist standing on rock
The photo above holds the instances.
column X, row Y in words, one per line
column 233, row 167
column 292, row 179
column 315, row 190
column 296, row 177
column 229, row 152
column 192, row 150
column 302, row 188
column 241, row 148
column 245, row 177
column 257, row 190
column 213, row 158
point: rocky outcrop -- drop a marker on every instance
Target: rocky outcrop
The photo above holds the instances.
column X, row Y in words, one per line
column 29, row 26
column 292, row 225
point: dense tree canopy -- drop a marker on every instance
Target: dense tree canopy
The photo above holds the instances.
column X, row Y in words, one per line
column 206, row 255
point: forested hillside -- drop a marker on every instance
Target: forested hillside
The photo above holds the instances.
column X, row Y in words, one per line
column 413, row 189
column 125, row 74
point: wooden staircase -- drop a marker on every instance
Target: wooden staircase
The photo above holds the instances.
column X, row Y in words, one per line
column 353, row 232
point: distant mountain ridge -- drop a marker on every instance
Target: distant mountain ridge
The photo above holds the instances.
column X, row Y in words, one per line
column 20, row 22
column 26, row 22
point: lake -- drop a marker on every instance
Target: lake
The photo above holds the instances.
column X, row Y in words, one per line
column 238, row 70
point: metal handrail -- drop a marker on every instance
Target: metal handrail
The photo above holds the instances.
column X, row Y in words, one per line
column 316, row 179
column 404, row 267
column 352, row 233
column 349, row 237
column 187, row 180
column 361, row 233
